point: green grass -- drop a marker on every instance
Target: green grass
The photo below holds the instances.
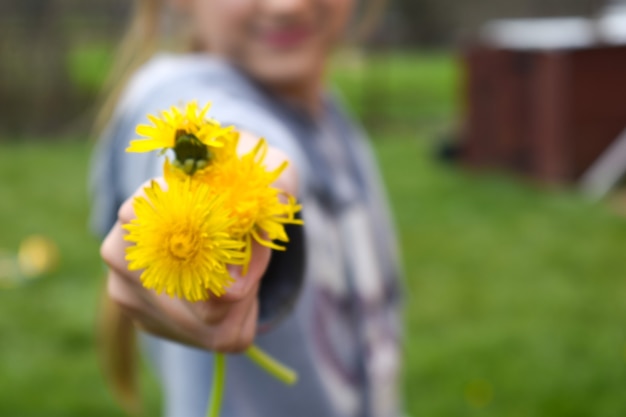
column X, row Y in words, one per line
column 398, row 90
column 515, row 296
column 48, row 360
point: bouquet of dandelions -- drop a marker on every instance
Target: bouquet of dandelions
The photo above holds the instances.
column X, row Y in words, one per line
column 215, row 205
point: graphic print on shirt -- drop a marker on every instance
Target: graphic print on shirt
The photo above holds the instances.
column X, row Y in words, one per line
column 354, row 337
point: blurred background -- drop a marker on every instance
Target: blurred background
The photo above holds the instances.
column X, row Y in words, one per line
column 498, row 126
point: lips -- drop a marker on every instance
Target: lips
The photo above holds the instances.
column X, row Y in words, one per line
column 286, row 38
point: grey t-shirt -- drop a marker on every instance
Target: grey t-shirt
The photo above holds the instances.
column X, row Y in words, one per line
column 342, row 334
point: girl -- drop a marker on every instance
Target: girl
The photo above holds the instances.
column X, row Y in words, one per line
column 335, row 321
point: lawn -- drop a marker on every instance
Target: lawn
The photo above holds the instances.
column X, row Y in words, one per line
column 48, row 361
column 515, row 295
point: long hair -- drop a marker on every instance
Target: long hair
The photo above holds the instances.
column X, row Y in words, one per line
column 143, row 37
column 117, row 343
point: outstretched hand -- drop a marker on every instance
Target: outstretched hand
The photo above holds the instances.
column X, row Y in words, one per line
column 224, row 324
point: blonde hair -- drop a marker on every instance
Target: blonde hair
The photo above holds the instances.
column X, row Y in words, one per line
column 117, row 339
column 142, row 38
column 117, row 344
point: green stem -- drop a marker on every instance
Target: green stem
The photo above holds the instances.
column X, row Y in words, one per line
column 271, row 365
column 217, row 388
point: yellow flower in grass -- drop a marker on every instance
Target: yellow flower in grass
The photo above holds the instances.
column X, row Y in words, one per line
column 173, row 125
column 182, row 241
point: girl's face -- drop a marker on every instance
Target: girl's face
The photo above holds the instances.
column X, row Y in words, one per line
column 275, row 41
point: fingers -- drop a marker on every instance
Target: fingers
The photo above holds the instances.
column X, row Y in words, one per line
column 225, row 324
column 133, row 302
column 229, row 322
column 248, row 329
column 113, row 248
column 244, row 284
column 216, row 311
column 113, row 252
column 243, row 291
column 235, row 330
column 213, row 325
column 159, row 315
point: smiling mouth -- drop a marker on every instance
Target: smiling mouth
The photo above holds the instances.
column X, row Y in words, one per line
column 287, row 38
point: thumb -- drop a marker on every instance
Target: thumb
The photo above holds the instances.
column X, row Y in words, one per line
column 245, row 283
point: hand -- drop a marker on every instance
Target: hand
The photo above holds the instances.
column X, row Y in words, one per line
column 225, row 324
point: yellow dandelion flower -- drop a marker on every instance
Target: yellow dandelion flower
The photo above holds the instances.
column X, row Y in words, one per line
column 246, row 184
column 228, row 151
column 215, row 204
column 204, row 169
column 173, row 125
column 182, row 241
